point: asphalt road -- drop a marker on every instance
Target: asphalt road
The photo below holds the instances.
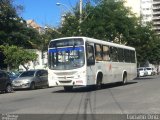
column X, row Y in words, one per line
column 139, row 96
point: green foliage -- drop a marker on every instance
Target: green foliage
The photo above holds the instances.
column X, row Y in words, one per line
column 15, row 56
column 50, row 33
column 70, row 27
column 33, row 39
column 154, row 51
column 146, row 42
column 110, row 20
column 14, row 30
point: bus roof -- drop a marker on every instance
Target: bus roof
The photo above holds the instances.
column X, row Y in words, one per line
column 98, row 42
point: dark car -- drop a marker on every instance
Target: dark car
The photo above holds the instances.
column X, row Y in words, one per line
column 14, row 74
column 31, row 79
column 5, row 82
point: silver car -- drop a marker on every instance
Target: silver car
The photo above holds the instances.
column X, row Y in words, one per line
column 31, row 79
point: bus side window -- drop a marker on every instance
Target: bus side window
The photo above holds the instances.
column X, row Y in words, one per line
column 90, row 55
column 120, row 55
column 98, row 52
column 127, row 55
column 133, row 59
column 106, row 56
column 114, row 54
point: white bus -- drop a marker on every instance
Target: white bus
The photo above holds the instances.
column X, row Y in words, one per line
column 83, row 61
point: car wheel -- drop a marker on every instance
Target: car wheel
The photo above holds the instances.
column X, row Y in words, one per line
column 9, row 89
column 32, row 86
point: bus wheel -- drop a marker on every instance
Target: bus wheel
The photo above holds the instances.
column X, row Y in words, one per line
column 68, row 88
column 99, row 82
column 98, row 85
column 124, row 79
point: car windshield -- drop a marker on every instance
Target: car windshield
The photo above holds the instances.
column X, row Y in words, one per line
column 66, row 54
column 141, row 69
column 27, row 74
column 149, row 68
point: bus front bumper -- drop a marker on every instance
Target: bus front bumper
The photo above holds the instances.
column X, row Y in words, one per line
column 76, row 82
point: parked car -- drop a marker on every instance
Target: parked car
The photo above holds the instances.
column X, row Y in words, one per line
column 5, row 82
column 150, row 71
column 142, row 72
column 31, row 79
column 154, row 71
column 12, row 75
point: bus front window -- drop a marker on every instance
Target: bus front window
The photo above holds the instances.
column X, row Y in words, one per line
column 66, row 57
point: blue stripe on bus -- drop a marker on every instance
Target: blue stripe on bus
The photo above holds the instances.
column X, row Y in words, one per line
column 65, row 49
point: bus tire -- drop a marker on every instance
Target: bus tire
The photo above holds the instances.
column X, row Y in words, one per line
column 99, row 81
column 124, row 78
column 68, row 88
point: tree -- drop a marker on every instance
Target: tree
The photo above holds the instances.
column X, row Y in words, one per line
column 146, row 42
column 50, row 33
column 154, row 53
column 14, row 30
column 110, row 20
column 70, row 25
column 15, row 56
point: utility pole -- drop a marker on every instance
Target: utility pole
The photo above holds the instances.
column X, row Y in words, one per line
column 80, row 15
column 80, row 11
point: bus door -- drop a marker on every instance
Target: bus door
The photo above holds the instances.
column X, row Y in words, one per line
column 91, row 72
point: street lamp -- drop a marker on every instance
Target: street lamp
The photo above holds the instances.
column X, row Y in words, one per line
column 80, row 11
column 58, row 4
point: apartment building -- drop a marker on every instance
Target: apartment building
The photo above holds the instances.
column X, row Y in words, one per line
column 146, row 11
column 150, row 12
column 134, row 5
column 156, row 15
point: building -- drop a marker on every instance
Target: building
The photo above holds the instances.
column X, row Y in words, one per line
column 146, row 11
column 156, row 16
column 33, row 24
column 39, row 63
column 150, row 12
column 134, row 5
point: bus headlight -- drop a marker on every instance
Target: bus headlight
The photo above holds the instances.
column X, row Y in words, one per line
column 77, row 76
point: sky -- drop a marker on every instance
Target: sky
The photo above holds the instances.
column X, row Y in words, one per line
column 45, row 12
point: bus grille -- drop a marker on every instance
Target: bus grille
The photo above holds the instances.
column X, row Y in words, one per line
column 65, row 77
column 65, row 73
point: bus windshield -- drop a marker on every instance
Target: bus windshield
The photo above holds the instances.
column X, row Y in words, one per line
column 66, row 54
